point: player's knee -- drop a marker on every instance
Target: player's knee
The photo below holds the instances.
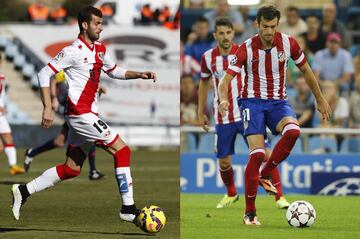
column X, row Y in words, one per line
column 122, row 157
column 224, row 164
column 291, row 131
column 65, row 172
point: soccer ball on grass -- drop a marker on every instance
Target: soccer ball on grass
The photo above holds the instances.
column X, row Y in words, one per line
column 151, row 219
column 301, row 214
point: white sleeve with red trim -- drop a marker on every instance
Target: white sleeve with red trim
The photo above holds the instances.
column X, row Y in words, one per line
column 110, row 68
column 45, row 75
column 64, row 59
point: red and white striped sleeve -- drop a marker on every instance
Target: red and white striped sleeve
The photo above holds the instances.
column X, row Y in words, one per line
column 296, row 53
column 205, row 71
column 238, row 61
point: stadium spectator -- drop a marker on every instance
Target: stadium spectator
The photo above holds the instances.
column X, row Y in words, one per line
column 293, row 72
column 38, row 13
column 146, row 14
column 314, row 37
column 338, row 104
column 107, row 12
column 196, row 4
column 354, row 119
column 222, row 9
column 249, row 26
column 58, row 15
column 164, row 15
column 188, row 101
column 199, row 40
column 331, row 24
column 334, row 63
column 340, row 110
column 303, row 103
column 188, row 65
column 293, row 25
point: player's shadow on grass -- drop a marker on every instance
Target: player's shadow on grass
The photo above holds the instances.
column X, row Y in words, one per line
column 14, row 229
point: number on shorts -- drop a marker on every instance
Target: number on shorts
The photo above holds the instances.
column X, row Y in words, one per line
column 99, row 124
column 246, row 114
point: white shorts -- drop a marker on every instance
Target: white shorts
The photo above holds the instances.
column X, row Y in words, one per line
column 4, row 125
column 88, row 128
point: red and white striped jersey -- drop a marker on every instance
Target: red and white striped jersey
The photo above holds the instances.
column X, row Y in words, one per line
column 82, row 65
column 188, row 65
column 2, row 90
column 266, row 69
column 215, row 65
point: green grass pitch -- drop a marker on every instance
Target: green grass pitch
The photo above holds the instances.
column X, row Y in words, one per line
column 337, row 217
column 80, row 208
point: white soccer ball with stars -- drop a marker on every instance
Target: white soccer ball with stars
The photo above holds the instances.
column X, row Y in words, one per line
column 300, row 214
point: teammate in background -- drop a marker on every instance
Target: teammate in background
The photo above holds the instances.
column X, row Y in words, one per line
column 263, row 100
column 7, row 141
column 213, row 65
column 59, row 88
column 82, row 63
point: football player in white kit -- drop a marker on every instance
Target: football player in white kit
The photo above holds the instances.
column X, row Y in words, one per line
column 82, row 63
column 6, row 139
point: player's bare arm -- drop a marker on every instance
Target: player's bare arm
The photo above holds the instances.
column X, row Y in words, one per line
column 146, row 75
column 322, row 105
column 47, row 115
column 203, row 94
column 223, row 93
column 54, row 99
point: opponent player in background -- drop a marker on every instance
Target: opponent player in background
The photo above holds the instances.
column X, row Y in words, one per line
column 58, row 89
column 7, row 141
column 83, row 62
column 214, row 63
column 263, row 100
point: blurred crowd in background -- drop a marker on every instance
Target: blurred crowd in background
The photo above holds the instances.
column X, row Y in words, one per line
column 330, row 44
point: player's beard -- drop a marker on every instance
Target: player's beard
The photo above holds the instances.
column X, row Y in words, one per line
column 93, row 36
column 225, row 45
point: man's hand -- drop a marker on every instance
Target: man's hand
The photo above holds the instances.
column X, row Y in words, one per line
column 148, row 75
column 204, row 122
column 224, row 107
column 324, row 108
column 47, row 117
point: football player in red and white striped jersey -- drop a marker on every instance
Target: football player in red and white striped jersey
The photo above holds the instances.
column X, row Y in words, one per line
column 214, row 64
column 263, row 100
column 82, row 63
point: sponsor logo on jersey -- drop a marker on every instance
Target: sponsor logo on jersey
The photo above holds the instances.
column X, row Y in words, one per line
column 101, row 55
column 281, row 56
column 59, row 56
column 233, row 61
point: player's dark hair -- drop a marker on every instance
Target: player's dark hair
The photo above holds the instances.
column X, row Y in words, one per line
column 223, row 21
column 268, row 13
column 86, row 13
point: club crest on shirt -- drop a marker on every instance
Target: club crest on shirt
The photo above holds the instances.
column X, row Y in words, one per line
column 59, row 56
column 281, row 56
column 101, row 55
column 233, row 61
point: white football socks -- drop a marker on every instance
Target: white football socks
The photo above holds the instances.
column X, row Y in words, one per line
column 123, row 177
column 48, row 179
column 10, row 152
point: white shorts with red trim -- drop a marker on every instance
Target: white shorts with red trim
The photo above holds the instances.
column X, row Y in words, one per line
column 4, row 125
column 89, row 128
